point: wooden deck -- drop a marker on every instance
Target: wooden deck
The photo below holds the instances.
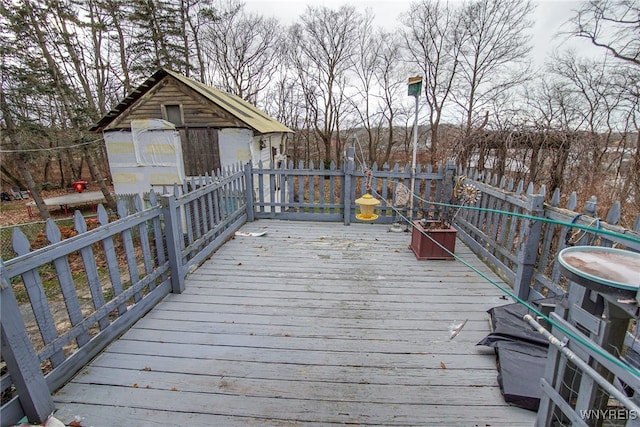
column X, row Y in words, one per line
column 313, row 323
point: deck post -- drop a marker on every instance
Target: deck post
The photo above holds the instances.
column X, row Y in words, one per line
column 528, row 247
column 173, row 233
column 346, row 189
column 449, row 177
column 248, row 178
column 21, row 359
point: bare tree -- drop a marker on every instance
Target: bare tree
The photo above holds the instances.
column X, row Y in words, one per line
column 244, row 47
column 552, row 111
column 391, row 79
column 611, row 25
column 33, row 92
column 589, row 82
column 53, row 98
column 98, row 86
column 375, row 92
column 196, row 17
column 494, row 51
column 112, row 14
column 365, row 65
column 10, row 94
column 286, row 103
column 433, row 40
column 584, row 119
column 321, row 51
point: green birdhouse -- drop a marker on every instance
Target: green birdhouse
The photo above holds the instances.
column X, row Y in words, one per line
column 415, row 86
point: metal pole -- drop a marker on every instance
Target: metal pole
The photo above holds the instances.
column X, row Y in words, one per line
column 413, row 161
column 571, row 356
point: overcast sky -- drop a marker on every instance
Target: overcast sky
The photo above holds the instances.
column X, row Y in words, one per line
column 548, row 16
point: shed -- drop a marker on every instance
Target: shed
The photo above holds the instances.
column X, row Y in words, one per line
column 202, row 128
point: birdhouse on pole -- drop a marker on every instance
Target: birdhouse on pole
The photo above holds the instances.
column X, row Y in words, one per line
column 415, row 86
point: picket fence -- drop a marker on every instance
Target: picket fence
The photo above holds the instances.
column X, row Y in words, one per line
column 64, row 303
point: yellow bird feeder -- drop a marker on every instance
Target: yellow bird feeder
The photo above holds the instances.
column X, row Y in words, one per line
column 367, row 204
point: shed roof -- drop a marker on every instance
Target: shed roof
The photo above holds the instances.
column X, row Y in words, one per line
column 247, row 113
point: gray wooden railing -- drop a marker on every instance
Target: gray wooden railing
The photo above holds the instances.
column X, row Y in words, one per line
column 150, row 249
column 63, row 303
column 523, row 251
column 594, row 359
column 329, row 194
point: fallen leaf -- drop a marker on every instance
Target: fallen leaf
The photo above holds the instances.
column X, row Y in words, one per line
column 147, row 368
column 174, row 389
column 456, row 328
column 442, row 365
column 135, row 385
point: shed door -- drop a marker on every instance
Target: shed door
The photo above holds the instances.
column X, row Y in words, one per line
column 200, row 151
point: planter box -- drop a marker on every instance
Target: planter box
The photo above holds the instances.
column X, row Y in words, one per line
column 424, row 248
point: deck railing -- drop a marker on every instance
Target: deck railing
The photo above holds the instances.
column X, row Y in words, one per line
column 319, row 194
column 150, row 249
column 524, row 250
column 62, row 304
column 592, row 368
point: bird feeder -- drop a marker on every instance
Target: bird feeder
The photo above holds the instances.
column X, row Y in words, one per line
column 367, row 204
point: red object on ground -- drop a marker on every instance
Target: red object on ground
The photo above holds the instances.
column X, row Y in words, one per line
column 80, row 186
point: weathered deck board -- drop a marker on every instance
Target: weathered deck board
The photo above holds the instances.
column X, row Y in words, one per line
column 311, row 324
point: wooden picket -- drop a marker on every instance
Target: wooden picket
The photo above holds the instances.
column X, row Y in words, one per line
column 499, row 237
column 108, row 277
column 90, row 316
column 319, row 194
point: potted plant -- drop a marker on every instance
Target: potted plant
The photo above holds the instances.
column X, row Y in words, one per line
column 430, row 239
column 433, row 236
